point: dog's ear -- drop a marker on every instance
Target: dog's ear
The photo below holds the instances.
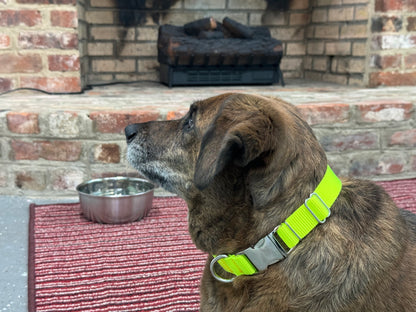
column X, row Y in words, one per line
column 229, row 140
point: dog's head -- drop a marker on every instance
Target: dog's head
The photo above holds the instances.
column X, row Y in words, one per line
column 233, row 158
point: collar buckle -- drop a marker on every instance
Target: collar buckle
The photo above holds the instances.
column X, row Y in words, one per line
column 267, row 251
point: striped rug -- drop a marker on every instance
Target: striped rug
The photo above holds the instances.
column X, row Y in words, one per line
column 150, row 265
column 77, row 265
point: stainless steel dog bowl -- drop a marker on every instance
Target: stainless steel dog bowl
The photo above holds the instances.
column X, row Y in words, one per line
column 115, row 200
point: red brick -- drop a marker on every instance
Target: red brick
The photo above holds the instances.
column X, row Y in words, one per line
column 410, row 61
column 60, row 150
column 31, row 180
column 414, row 163
column 64, row 124
column 49, row 150
column 115, row 122
column 69, row 41
column 348, row 142
column 38, row 40
column 411, row 23
column 388, row 5
column 378, row 111
column 23, row 17
column 392, row 79
column 73, row 2
column 393, row 41
column 410, row 6
column 66, row 179
column 377, row 165
column 172, row 115
column 324, row 113
column 68, row 19
column 5, row 84
column 63, row 63
column 387, row 61
column 404, row 138
column 24, row 150
column 386, row 23
column 392, row 166
column 23, row 122
column 18, row 63
column 4, row 41
column 35, row 40
column 53, row 85
column 107, row 153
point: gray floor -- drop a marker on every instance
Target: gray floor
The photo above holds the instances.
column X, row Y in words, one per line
column 14, row 218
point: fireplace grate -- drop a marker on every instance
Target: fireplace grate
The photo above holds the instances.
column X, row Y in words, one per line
column 224, row 75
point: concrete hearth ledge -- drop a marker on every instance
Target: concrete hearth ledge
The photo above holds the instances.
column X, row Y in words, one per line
column 51, row 143
column 155, row 97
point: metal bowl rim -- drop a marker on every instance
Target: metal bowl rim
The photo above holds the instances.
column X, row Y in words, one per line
column 114, row 178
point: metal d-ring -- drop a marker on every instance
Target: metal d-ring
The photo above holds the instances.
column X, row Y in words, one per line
column 214, row 274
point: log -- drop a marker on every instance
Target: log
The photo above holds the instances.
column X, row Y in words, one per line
column 204, row 24
column 236, row 29
column 208, row 34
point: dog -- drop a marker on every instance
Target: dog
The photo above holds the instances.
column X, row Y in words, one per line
column 244, row 164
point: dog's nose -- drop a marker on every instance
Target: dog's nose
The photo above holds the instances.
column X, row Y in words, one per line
column 131, row 131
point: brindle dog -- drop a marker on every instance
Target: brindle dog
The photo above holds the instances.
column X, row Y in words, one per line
column 244, row 163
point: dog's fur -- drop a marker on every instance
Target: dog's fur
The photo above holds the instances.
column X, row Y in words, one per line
column 244, row 163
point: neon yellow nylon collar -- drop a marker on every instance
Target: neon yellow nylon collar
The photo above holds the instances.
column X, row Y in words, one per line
column 275, row 246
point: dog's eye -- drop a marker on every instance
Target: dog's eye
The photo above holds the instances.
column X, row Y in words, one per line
column 189, row 124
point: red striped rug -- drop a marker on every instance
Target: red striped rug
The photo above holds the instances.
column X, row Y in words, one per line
column 150, row 265
column 77, row 265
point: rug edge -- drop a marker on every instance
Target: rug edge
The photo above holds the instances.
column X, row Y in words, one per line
column 31, row 260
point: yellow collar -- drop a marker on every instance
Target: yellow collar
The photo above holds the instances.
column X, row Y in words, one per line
column 275, row 246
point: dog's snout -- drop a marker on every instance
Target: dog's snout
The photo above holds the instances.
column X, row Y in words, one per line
column 131, row 132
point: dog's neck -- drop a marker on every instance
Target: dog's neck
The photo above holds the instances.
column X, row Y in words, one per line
column 275, row 246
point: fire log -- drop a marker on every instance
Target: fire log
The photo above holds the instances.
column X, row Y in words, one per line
column 204, row 24
column 208, row 34
column 237, row 29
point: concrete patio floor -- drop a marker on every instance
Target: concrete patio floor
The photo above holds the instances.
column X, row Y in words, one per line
column 14, row 218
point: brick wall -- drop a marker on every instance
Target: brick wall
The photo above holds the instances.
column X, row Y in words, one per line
column 63, row 45
column 336, row 41
column 39, row 45
column 393, row 43
column 47, row 152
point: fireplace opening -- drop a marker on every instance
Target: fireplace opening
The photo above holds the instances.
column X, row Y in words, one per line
column 207, row 52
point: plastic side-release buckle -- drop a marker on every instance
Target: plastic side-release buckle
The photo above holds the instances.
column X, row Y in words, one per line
column 266, row 252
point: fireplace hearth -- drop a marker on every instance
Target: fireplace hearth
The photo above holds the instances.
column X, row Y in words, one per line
column 206, row 52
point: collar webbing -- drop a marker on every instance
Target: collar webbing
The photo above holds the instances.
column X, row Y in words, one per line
column 276, row 245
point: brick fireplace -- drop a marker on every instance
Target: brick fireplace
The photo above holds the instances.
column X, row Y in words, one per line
column 65, row 45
